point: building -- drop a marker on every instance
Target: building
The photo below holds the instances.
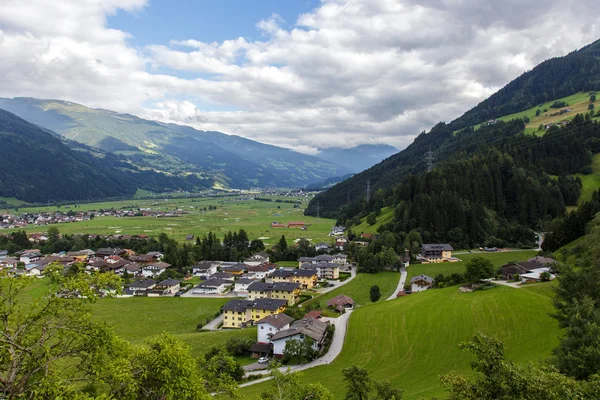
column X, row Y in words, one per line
column 241, row 286
column 257, row 259
column 435, row 253
column 322, row 246
column 299, row 330
column 236, row 269
column 337, row 230
column 276, row 224
column 536, row 275
column 289, row 291
column 270, row 325
column 155, row 268
column 262, row 271
column 81, row 255
column 296, row 224
column 226, row 276
column 205, row 269
column 241, row 313
column 420, row 283
column 212, row 286
column 524, row 267
column 307, row 278
column 106, row 252
column 325, row 270
column 169, row 286
column 341, row 303
column 139, row 288
column 29, row 257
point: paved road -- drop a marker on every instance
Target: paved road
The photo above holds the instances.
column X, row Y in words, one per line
column 341, row 325
column 403, row 275
column 214, row 324
column 516, row 285
column 337, row 285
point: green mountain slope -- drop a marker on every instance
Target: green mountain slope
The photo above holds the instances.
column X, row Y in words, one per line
column 229, row 161
column 485, row 180
column 37, row 166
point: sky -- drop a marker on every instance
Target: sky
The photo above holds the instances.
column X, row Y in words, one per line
column 302, row 74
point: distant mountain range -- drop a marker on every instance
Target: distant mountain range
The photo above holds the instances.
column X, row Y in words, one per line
column 358, row 158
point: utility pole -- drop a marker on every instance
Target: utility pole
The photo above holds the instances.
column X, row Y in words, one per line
column 368, row 191
column 429, row 159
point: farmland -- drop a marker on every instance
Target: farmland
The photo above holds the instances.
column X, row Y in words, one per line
column 412, row 340
column 231, row 213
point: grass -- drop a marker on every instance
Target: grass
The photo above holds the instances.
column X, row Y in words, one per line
column 412, row 340
column 358, row 288
column 232, row 213
column 497, row 258
column 387, row 215
column 591, row 182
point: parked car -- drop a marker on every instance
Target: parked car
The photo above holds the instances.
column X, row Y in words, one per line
column 178, row 294
column 263, row 360
column 330, row 285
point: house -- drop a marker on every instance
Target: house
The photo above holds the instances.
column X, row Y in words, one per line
column 155, row 268
column 276, row 224
column 316, row 314
column 262, row 271
column 8, row 262
column 241, row 286
column 142, row 258
column 289, row 291
column 258, row 350
column 106, row 252
column 420, row 283
column 236, row 269
column 132, row 268
column 96, row 264
column 241, row 313
column 257, row 259
column 324, row 270
column 225, row 276
column 337, row 230
column 307, row 278
column 322, row 246
column 139, row 288
column 81, row 255
column 189, row 238
column 536, row 275
column 166, row 287
column 339, row 258
column 270, row 325
column 212, row 286
column 520, row 268
column 340, row 303
column 435, row 253
column 29, row 257
column 296, row 224
column 299, row 330
column 205, row 269
column 157, row 255
column 3, row 253
column 341, row 242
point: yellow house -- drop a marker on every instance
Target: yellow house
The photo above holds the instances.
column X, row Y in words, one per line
column 436, row 253
column 239, row 313
column 289, row 291
column 307, row 278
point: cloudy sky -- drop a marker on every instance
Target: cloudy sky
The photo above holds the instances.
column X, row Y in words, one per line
column 297, row 73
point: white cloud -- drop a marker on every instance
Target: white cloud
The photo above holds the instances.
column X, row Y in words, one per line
column 349, row 72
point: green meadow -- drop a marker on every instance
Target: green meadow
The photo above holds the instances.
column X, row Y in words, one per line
column 591, row 182
column 232, row 213
column 411, row 341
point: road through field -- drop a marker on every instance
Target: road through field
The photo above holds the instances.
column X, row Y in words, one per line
column 403, row 275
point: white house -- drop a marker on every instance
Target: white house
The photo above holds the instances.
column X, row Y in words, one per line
column 30, row 257
column 270, row 325
column 262, row 271
column 205, row 268
column 257, row 259
column 535, row 275
column 212, row 286
column 139, row 288
column 166, row 287
column 341, row 259
column 241, row 286
column 313, row 328
column 325, row 270
column 420, row 283
column 154, row 269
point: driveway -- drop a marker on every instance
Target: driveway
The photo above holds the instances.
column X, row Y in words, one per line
column 403, row 275
column 338, row 284
column 516, row 285
column 214, row 324
column 341, row 325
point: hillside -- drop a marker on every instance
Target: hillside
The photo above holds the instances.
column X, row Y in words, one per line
column 412, row 340
column 492, row 204
column 221, row 160
column 38, row 167
column 358, row 158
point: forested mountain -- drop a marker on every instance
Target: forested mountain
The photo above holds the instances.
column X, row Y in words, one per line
column 490, row 185
column 36, row 166
column 213, row 157
column 358, row 158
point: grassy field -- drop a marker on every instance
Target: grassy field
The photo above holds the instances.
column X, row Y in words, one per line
column 498, row 259
column 591, row 182
column 232, row 213
column 412, row 340
column 358, row 288
column 387, row 215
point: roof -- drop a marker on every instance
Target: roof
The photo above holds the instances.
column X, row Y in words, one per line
column 203, row 265
column 146, row 283
column 86, row 252
column 421, row 277
column 244, row 281
column 133, row 267
column 314, row 314
column 543, row 260
column 261, row 347
column 340, row 300
column 259, row 304
column 262, row 267
column 276, row 320
column 108, row 251
column 212, row 283
column 437, row 247
column 222, row 275
column 160, row 264
column 169, row 282
column 311, row 327
column 267, row 287
column 235, row 267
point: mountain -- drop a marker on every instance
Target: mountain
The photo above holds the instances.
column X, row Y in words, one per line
column 37, row 166
column 490, row 182
column 213, row 157
column 358, row 158
column 327, row 183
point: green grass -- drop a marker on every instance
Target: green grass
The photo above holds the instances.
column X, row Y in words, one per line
column 387, row 215
column 412, row 340
column 358, row 288
column 590, row 183
column 232, row 213
column 497, row 258
column 11, row 201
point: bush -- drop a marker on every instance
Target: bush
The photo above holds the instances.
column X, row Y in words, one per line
column 374, row 293
column 238, row 346
column 559, row 104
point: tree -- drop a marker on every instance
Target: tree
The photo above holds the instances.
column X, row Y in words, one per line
column 372, row 218
column 592, row 98
column 538, row 112
column 478, row 269
column 287, row 386
column 282, row 246
column 298, row 351
column 496, row 377
column 545, row 276
column 374, row 293
column 53, row 234
column 591, row 106
column 360, row 384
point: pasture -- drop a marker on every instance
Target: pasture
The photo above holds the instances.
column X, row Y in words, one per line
column 231, row 214
column 412, row 340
